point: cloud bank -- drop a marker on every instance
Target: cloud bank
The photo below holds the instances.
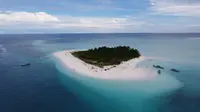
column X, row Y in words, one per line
column 100, row 16
column 9, row 17
column 176, row 7
column 42, row 20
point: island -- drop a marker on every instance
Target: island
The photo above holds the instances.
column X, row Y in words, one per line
column 108, row 63
column 106, row 56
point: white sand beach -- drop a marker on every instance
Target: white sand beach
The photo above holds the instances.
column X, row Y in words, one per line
column 128, row 70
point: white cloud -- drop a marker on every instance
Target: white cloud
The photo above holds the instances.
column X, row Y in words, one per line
column 176, row 7
column 9, row 17
column 11, row 21
column 99, row 22
column 42, row 20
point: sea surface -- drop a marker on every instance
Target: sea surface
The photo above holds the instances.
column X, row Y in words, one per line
column 48, row 86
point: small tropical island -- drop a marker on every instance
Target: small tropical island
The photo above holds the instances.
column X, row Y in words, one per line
column 106, row 56
column 109, row 63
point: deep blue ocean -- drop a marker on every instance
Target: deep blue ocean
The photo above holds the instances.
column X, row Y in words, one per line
column 47, row 86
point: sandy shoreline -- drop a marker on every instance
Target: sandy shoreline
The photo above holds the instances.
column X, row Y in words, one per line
column 126, row 71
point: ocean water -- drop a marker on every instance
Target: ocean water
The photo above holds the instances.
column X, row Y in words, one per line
column 48, row 86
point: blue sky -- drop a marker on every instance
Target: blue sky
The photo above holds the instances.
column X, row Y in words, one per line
column 100, row 16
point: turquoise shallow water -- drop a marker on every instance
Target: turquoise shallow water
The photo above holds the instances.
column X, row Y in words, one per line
column 65, row 90
column 139, row 96
column 120, row 96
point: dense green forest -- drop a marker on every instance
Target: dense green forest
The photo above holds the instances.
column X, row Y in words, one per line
column 104, row 56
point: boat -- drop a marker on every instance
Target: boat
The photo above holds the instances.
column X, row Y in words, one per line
column 159, row 71
column 174, row 70
column 158, row 66
column 27, row 64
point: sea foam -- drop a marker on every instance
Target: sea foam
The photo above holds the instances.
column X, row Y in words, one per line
column 2, row 49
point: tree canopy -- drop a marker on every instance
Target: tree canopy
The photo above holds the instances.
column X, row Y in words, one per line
column 104, row 56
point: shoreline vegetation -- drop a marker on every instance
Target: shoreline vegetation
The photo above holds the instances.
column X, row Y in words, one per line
column 107, row 56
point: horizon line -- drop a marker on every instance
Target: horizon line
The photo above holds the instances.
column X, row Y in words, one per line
column 103, row 33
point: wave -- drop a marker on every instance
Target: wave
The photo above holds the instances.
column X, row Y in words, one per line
column 2, row 49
